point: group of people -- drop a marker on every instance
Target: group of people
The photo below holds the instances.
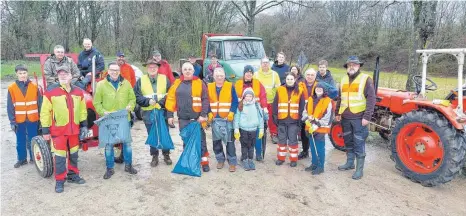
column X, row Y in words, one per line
column 291, row 105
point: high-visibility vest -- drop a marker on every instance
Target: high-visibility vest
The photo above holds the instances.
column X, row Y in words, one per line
column 288, row 106
column 307, row 94
column 148, row 91
column 220, row 103
column 196, row 89
column 255, row 87
column 352, row 94
column 25, row 106
column 318, row 112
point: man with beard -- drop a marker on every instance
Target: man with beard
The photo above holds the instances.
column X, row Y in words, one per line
column 355, row 107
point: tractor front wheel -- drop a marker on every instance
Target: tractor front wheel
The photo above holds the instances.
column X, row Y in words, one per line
column 336, row 136
column 42, row 156
column 426, row 148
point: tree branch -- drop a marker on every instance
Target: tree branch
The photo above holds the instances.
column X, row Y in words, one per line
column 299, row 4
column 266, row 6
column 240, row 10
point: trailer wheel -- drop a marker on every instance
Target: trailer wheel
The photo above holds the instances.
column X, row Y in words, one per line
column 118, row 152
column 42, row 156
column 426, row 148
column 336, row 136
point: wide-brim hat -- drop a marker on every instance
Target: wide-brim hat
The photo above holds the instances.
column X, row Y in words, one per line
column 353, row 59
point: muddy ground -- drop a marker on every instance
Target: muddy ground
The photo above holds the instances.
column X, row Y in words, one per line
column 270, row 190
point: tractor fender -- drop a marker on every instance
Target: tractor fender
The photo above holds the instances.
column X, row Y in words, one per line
column 448, row 111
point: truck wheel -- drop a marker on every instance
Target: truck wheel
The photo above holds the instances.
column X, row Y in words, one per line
column 118, row 152
column 42, row 156
column 426, row 148
column 138, row 112
column 336, row 136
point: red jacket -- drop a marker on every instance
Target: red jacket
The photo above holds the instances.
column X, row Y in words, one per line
column 166, row 70
column 128, row 73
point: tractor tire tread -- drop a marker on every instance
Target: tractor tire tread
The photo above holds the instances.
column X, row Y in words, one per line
column 46, row 156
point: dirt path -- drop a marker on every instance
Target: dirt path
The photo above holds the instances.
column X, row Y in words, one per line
column 270, row 190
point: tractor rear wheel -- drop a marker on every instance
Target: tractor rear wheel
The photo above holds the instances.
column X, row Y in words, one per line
column 42, row 156
column 336, row 136
column 426, row 148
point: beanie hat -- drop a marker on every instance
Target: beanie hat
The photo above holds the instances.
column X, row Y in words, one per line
column 248, row 91
column 248, row 68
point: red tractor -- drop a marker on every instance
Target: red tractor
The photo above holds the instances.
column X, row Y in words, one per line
column 427, row 137
column 42, row 149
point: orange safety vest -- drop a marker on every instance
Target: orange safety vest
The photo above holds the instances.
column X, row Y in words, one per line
column 318, row 112
column 305, row 92
column 222, row 104
column 170, row 103
column 288, row 106
column 256, row 87
column 25, row 106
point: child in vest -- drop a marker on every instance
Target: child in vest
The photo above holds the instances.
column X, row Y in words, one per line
column 24, row 100
column 287, row 107
column 247, row 123
column 317, row 116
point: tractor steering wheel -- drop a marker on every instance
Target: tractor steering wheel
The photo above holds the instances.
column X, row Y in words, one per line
column 431, row 86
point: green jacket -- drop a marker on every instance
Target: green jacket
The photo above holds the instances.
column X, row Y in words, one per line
column 109, row 99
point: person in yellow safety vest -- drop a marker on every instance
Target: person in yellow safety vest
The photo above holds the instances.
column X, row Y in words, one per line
column 317, row 118
column 308, row 87
column 287, row 107
column 63, row 117
column 271, row 81
column 23, row 107
column 355, row 107
column 223, row 105
column 188, row 97
column 150, row 91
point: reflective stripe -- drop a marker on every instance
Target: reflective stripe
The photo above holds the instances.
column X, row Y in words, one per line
column 20, row 112
column 20, row 104
column 204, row 159
column 223, row 110
column 293, row 155
column 197, row 104
column 294, row 105
column 31, row 102
column 31, row 111
column 293, row 111
column 282, row 153
column 213, row 104
column 282, row 148
column 224, row 104
column 196, row 98
column 282, row 104
column 357, row 104
column 149, row 96
column 282, row 110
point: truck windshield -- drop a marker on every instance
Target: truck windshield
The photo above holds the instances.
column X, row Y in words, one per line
column 243, row 49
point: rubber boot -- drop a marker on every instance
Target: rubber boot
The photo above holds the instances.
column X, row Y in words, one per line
column 59, row 186
column 359, row 168
column 166, row 158
column 349, row 162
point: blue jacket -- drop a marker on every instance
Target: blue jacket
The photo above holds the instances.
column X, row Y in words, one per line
column 234, row 100
column 250, row 119
column 9, row 104
column 85, row 61
column 281, row 70
column 197, row 69
column 327, row 78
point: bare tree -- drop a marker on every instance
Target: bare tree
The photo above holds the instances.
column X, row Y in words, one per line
column 249, row 10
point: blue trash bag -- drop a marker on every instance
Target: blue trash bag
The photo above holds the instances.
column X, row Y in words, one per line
column 114, row 128
column 189, row 162
column 159, row 137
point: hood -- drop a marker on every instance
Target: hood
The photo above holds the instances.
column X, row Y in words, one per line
column 275, row 64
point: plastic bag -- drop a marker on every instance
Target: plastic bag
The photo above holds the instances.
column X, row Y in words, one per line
column 189, row 162
column 114, row 128
column 159, row 137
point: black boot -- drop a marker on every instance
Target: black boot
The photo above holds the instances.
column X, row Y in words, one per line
column 20, row 163
column 318, row 171
column 303, row 154
column 59, row 186
column 129, row 168
column 279, row 162
column 310, row 168
column 293, row 164
column 359, row 168
column 349, row 162
column 155, row 161
column 205, row 168
column 166, row 158
column 108, row 174
column 76, row 179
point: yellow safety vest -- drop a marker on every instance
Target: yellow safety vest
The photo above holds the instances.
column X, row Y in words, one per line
column 352, row 94
column 148, row 91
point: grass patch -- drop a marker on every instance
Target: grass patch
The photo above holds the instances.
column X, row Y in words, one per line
column 396, row 80
column 8, row 68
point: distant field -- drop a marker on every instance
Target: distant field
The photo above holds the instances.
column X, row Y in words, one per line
column 389, row 80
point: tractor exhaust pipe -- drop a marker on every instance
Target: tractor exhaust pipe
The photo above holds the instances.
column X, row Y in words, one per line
column 376, row 74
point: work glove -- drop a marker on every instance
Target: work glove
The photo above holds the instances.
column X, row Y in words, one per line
column 157, row 106
column 230, row 116
column 237, row 135
column 83, row 133
column 261, row 134
column 210, row 117
column 14, row 127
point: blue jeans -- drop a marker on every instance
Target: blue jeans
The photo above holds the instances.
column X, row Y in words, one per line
column 354, row 135
column 319, row 146
column 24, row 133
column 110, row 155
